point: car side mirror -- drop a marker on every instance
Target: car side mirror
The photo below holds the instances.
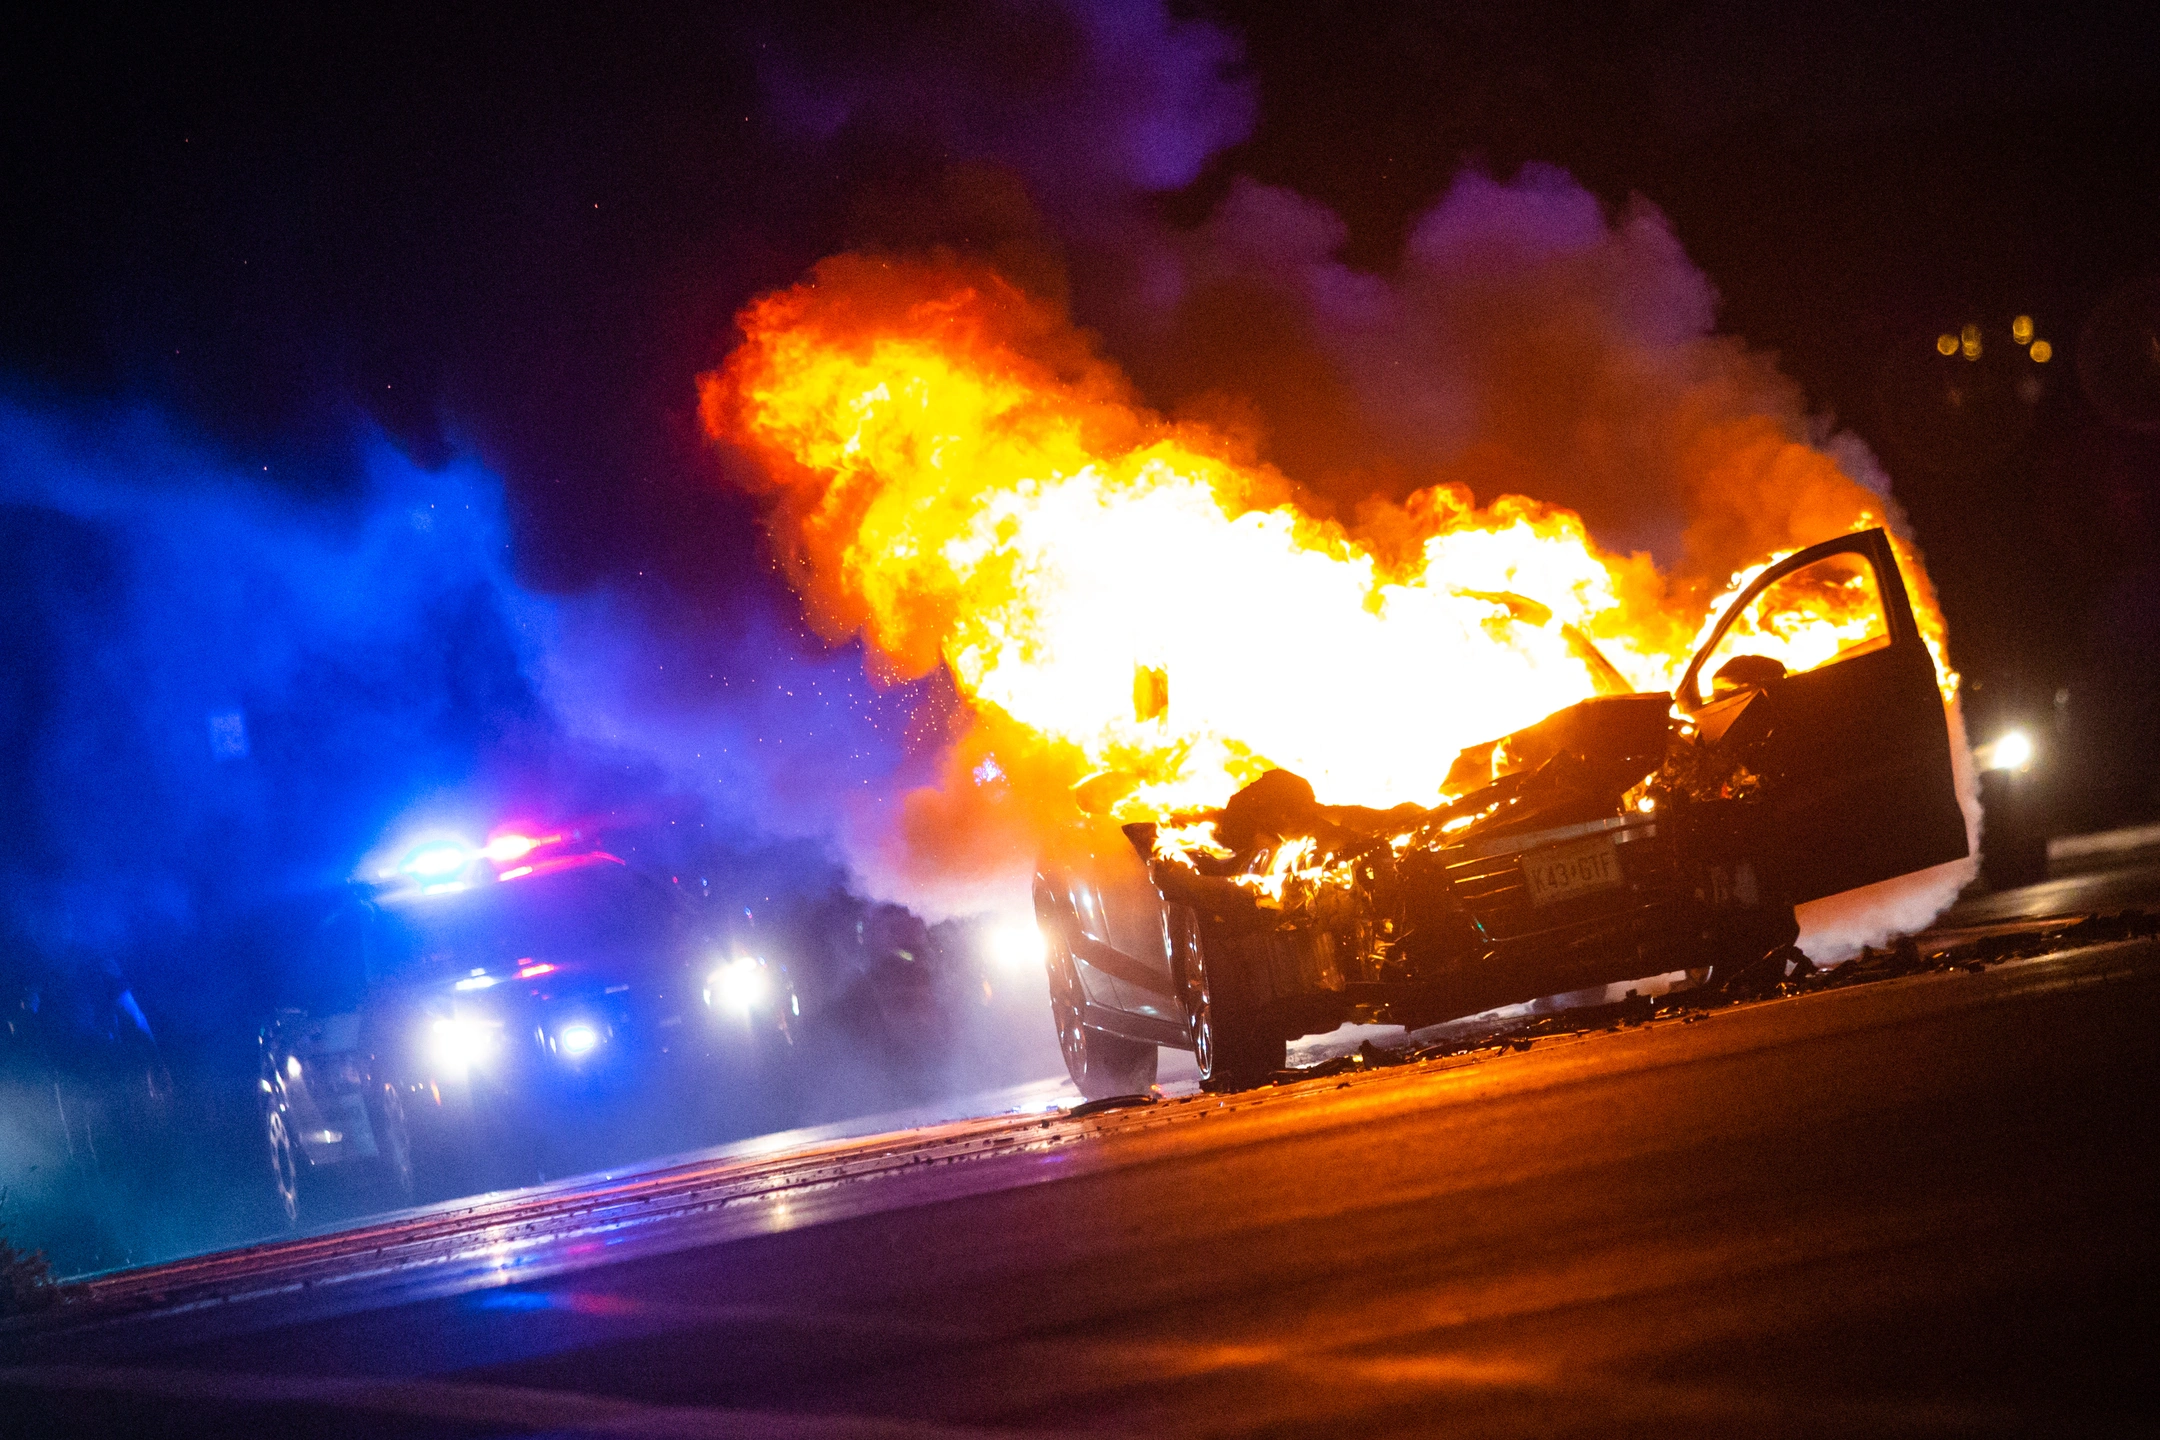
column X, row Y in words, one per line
column 1745, row 672
column 1141, row 835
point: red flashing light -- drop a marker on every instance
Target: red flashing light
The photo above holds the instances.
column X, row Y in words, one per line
column 513, row 846
column 550, row 865
column 528, row 970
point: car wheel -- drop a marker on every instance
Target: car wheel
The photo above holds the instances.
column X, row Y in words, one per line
column 1101, row 1064
column 285, row 1162
column 1231, row 1042
column 393, row 1145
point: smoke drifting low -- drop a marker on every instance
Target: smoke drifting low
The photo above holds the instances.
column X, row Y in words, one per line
column 222, row 690
column 221, row 694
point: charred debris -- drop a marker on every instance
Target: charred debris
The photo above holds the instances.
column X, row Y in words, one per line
column 1906, row 956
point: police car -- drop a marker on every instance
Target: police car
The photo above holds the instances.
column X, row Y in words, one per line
column 479, row 1014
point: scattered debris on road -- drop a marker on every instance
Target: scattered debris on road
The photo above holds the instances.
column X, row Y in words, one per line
column 1107, row 1103
column 1906, row 956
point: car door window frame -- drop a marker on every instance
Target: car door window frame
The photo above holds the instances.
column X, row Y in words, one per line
column 1871, row 545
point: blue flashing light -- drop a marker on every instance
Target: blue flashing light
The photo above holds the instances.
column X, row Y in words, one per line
column 436, row 860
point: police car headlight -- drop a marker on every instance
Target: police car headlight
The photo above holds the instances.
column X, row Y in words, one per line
column 740, row 985
column 458, row 1045
column 577, row 1038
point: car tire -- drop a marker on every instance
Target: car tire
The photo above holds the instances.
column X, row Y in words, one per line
column 1101, row 1064
column 1232, row 1043
column 393, row 1168
column 287, row 1165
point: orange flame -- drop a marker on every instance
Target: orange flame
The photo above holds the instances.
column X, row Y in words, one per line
column 962, row 481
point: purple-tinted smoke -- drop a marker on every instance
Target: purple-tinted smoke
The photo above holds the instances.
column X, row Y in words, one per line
column 1091, row 101
column 223, row 696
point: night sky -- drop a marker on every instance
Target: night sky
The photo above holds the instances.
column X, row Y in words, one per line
column 273, row 276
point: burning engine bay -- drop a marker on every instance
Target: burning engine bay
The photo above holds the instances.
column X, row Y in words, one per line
column 1627, row 835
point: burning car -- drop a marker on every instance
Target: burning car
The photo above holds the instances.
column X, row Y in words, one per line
column 463, row 1014
column 1628, row 835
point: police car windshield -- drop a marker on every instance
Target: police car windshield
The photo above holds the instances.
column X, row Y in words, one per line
column 597, row 915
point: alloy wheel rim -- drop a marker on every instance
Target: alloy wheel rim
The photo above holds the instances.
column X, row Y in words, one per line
column 395, row 1142
column 1072, row 1039
column 284, row 1165
column 1203, row 1012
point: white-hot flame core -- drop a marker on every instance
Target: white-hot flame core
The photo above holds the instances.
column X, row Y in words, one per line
column 1273, row 646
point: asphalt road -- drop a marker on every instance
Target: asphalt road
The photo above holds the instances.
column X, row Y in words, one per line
column 1924, row 1205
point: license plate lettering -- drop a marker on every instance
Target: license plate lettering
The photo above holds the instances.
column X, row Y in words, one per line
column 1566, row 871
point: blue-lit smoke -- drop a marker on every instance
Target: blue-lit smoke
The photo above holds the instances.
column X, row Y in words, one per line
column 220, row 691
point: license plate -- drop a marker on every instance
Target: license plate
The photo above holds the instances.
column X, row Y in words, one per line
column 1566, row 871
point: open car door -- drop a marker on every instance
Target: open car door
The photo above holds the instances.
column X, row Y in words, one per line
column 1843, row 726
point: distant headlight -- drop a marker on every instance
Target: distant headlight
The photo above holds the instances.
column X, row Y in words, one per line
column 461, row 1044
column 576, row 1038
column 2013, row 750
column 740, row 985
